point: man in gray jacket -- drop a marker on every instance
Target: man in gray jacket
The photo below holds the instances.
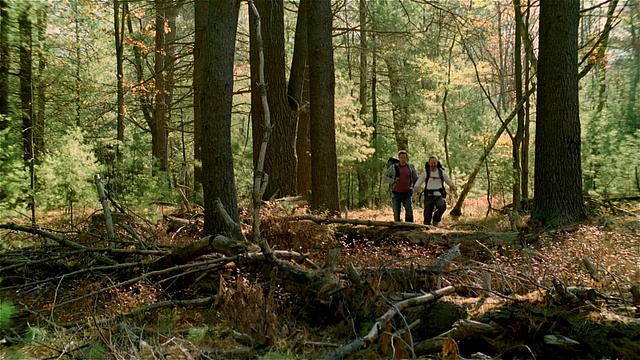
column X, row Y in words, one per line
column 401, row 177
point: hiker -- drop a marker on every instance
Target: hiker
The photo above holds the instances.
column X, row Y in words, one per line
column 401, row 176
column 434, row 178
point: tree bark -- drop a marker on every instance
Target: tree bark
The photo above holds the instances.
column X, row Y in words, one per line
column 298, row 94
column 558, row 171
column 398, row 106
column 280, row 160
column 118, row 27
column 217, row 98
column 159, row 126
column 517, row 139
column 324, row 165
column 40, row 83
column 26, row 85
column 364, row 185
column 201, row 10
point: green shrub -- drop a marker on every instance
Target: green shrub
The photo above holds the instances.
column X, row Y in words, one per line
column 7, row 310
column 14, row 182
column 66, row 173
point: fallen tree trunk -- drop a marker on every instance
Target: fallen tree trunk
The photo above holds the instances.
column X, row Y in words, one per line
column 461, row 329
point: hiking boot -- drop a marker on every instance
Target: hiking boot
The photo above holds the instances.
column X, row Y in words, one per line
column 436, row 224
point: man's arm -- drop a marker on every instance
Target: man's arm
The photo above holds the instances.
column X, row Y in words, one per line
column 448, row 180
column 421, row 179
column 390, row 175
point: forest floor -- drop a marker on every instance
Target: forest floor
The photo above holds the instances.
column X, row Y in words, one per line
column 472, row 288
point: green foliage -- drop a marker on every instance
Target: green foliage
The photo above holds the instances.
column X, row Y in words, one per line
column 67, row 172
column 14, row 182
column 35, row 333
column 12, row 353
column 7, row 310
column 93, row 351
column 133, row 180
column 197, row 334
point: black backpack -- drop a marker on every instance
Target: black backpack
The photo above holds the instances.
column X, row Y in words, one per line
column 427, row 170
column 394, row 161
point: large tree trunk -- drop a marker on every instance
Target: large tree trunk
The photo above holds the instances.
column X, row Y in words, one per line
column 558, row 172
column 217, row 97
column 324, row 165
column 201, row 11
column 280, row 161
column 298, row 92
column 4, row 63
column 26, row 85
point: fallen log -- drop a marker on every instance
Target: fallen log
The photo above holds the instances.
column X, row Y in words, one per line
column 397, row 308
column 461, row 329
column 62, row 240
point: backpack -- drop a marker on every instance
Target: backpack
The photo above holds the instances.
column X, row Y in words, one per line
column 394, row 161
column 427, row 170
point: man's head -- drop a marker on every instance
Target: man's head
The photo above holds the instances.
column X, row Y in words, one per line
column 403, row 157
column 433, row 163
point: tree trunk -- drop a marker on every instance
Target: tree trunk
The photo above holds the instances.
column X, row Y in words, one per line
column 324, row 165
column 303, row 142
column 517, row 139
column 201, row 11
column 298, row 94
column 529, row 59
column 26, row 85
column 217, row 98
column 399, row 116
column 5, row 61
column 159, row 124
column 558, row 173
column 364, row 186
column 40, row 84
column 171, row 12
column 118, row 27
column 143, row 94
column 280, row 160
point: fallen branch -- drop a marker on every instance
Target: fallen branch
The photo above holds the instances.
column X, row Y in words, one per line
column 591, row 269
column 209, row 244
column 327, row 220
column 107, row 211
column 57, row 238
column 365, row 341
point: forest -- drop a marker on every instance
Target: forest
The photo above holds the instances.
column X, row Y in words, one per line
column 204, row 179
